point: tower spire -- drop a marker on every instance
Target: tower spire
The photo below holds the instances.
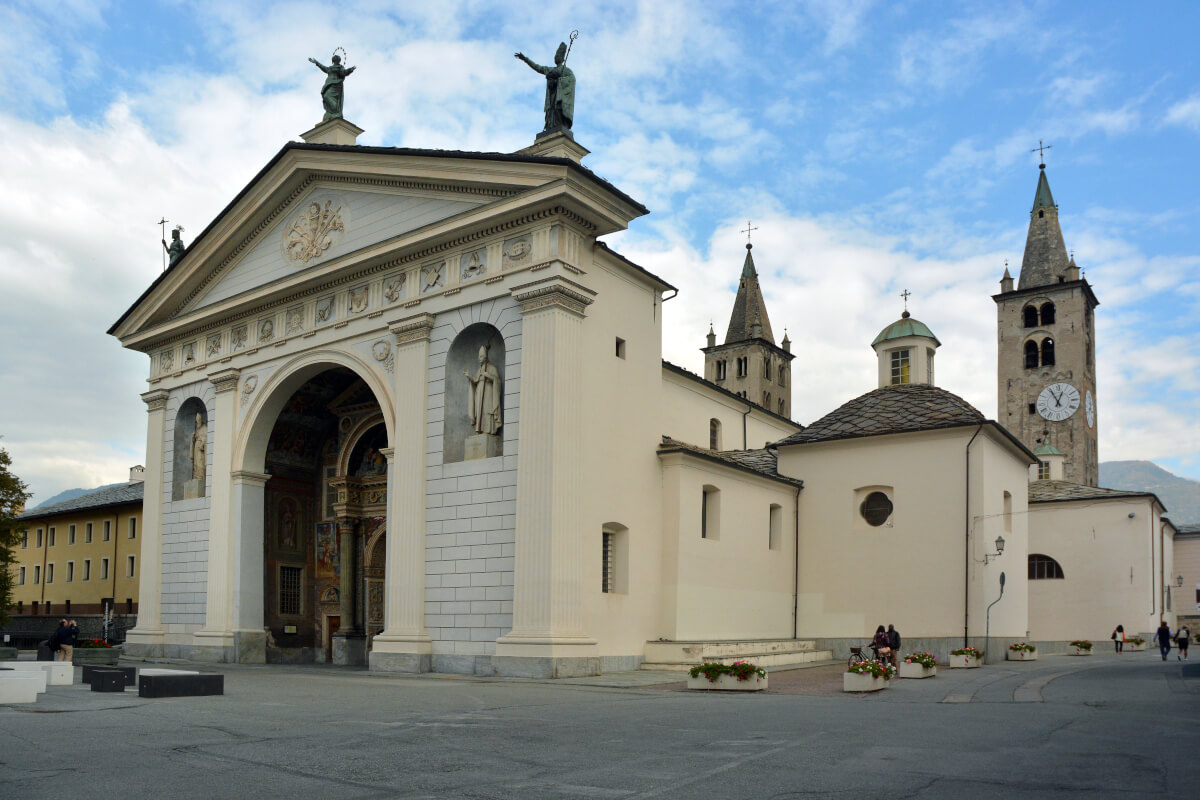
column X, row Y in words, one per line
column 1045, row 260
column 749, row 306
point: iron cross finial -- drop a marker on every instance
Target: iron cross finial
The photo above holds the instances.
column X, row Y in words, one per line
column 748, row 230
column 906, row 294
column 1041, row 151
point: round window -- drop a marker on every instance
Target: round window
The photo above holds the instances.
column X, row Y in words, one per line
column 876, row 509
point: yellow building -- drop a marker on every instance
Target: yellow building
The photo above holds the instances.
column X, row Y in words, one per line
column 80, row 555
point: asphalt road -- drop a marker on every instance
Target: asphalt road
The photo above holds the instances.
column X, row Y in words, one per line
column 1058, row 727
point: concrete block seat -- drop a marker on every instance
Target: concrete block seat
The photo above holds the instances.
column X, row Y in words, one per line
column 58, row 673
column 683, row 655
column 128, row 673
column 179, row 683
column 107, row 680
column 35, row 677
column 20, row 687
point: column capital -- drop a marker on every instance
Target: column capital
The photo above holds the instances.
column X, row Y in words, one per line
column 554, row 291
column 412, row 329
column 155, row 400
column 387, row 452
column 225, row 380
column 242, row 477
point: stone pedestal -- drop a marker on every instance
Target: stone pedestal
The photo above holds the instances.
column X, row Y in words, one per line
column 349, row 649
column 193, row 489
column 556, row 144
column 481, row 445
column 333, row 131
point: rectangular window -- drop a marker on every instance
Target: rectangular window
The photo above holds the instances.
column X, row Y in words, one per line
column 1032, row 408
column 70, row 534
column 929, row 366
column 775, row 537
column 104, row 569
column 50, row 541
column 129, row 565
column 87, row 569
column 289, row 589
column 710, row 513
column 87, row 533
column 1043, row 470
column 24, row 540
column 900, row 368
column 107, row 530
column 70, row 571
column 607, row 561
column 1008, row 512
column 49, row 573
column 620, row 347
column 37, row 573
column 21, row 576
column 39, row 537
column 767, row 368
column 133, row 527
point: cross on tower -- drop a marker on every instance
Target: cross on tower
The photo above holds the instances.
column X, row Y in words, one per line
column 906, row 294
column 1041, row 151
column 748, row 230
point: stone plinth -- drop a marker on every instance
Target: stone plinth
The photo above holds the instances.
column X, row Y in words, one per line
column 193, row 489
column 349, row 650
column 333, row 131
column 481, row 445
column 58, row 673
column 36, row 676
column 18, row 687
column 557, row 144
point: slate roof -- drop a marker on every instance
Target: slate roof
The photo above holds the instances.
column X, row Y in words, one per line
column 892, row 409
column 905, row 326
column 760, row 462
column 1189, row 531
column 1047, row 449
column 1062, row 491
column 101, row 498
column 1045, row 258
column 748, row 306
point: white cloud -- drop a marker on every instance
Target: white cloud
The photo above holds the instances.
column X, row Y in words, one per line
column 1186, row 113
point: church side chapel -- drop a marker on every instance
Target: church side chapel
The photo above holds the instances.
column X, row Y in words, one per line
column 406, row 409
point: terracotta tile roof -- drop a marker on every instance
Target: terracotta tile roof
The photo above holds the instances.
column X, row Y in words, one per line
column 761, row 462
column 893, row 409
column 109, row 496
column 1058, row 491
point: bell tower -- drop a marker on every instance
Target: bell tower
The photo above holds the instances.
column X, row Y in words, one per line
column 1046, row 360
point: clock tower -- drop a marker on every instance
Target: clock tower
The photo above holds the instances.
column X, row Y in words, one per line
column 1047, row 347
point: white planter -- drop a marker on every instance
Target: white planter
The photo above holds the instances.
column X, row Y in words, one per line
column 854, row 682
column 727, row 683
column 1136, row 648
column 964, row 662
column 1079, row 651
column 1022, row 655
column 916, row 671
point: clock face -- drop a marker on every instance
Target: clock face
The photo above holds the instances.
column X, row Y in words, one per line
column 1089, row 407
column 1058, row 401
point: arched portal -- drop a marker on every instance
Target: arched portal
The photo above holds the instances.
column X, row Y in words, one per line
column 319, row 432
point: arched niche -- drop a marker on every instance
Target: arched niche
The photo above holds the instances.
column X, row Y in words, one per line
column 365, row 459
column 482, row 393
column 190, row 451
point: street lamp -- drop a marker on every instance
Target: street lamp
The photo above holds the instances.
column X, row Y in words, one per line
column 1179, row 581
column 1000, row 551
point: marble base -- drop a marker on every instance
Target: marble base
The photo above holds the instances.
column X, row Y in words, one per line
column 546, row 666
column 400, row 662
column 250, row 647
column 350, row 650
column 481, row 445
column 193, row 489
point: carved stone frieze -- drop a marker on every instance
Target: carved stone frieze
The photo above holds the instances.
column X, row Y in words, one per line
column 239, row 338
column 213, row 350
column 313, row 231
column 359, row 298
column 189, row 354
column 294, row 321
column 473, row 265
column 433, row 277
column 382, row 351
column 325, row 308
column 166, row 361
column 393, row 287
column 518, row 252
column 412, row 329
column 266, row 330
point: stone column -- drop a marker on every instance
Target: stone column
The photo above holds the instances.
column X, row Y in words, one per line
column 547, row 637
column 404, row 645
column 147, row 639
column 247, row 518
column 349, row 645
column 215, row 641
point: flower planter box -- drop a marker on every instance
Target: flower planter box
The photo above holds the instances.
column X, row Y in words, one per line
column 727, row 683
column 1022, row 655
column 1079, row 651
column 1136, row 648
column 965, row 662
column 916, row 671
column 854, row 682
column 96, row 655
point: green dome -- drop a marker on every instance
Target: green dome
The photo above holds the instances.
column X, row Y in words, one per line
column 905, row 326
column 1047, row 449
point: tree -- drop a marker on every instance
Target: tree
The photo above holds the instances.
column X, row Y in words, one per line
column 12, row 503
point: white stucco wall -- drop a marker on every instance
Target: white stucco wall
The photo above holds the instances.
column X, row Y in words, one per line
column 687, row 407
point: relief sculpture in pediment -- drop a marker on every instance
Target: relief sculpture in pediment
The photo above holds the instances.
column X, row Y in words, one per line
column 313, row 232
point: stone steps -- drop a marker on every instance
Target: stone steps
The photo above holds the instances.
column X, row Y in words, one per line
column 680, row 656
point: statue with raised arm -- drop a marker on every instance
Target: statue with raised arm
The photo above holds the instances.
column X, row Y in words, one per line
column 560, row 91
column 175, row 248
column 332, row 95
column 484, row 407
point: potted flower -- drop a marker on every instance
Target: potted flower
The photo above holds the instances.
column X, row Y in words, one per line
column 918, row 665
column 966, row 658
column 867, row 676
column 1135, row 643
column 1082, row 647
column 1022, row 651
column 95, row 651
column 740, row 676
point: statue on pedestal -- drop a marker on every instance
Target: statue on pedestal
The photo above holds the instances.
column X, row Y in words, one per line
column 332, row 94
column 199, row 449
column 175, row 248
column 485, row 407
column 560, row 90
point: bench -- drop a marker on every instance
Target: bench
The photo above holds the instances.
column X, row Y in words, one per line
column 21, row 686
column 129, row 673
column 179, row 683
column 58, row 673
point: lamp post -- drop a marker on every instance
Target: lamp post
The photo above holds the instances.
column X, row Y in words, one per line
column 999, row 551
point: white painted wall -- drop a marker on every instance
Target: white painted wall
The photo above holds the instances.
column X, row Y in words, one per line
column 687, row 407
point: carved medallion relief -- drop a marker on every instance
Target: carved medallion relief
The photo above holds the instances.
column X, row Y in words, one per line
column 314, row 229
column 473, row 265
column 166, row 361
column 295, row 321
column 518, row 252
column 325, row 310
column 189, row 354
column 266, row 330
column 393, row 287
column 358, row 299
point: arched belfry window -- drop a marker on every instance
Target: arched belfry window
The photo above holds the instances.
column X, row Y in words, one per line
column 714, row 434
column 1043, row 568
column 1048, row 313
column 1047, row 352
column 1031, row 316
column 1031, row 355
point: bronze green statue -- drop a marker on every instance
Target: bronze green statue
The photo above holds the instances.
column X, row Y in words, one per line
column 175, row 248
column 332, row 94
column 560, row 91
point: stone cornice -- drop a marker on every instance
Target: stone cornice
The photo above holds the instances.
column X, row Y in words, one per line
column 155, row 400
column 249, row 478
column 225, row 380
column 412, row 329
column 553, row 292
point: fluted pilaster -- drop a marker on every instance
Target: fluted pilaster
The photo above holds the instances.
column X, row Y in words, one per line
column 149, row 632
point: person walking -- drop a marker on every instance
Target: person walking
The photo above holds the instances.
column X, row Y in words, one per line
column 1119, row 638
column 1181, row 641
column 894, row 643
column 1163, row 637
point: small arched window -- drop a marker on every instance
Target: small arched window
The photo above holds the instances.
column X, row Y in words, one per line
column 1031, row 355
column 1044, row 568
column 1047, row 352
column 1030, row 315
column 714, row 434
column 1047, row 313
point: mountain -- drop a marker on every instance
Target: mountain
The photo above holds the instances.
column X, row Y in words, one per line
column 71, row 494
column 1180, row 495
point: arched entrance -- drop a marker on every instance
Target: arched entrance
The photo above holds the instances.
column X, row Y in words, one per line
column 324, row 501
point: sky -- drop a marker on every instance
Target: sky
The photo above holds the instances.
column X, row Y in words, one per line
column 876, row 146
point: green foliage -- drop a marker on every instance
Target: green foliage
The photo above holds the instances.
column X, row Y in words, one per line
column 924, row 659
column 742, row 670
column 968, row 651
column 1140, row 640
column 876, row 669
column 12, row 503
column 1017, row 647
column 1082, row 644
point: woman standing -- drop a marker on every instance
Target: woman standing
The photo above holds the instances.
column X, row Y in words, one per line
column 882, row 645
column 1119, row 638
column 1163, row 636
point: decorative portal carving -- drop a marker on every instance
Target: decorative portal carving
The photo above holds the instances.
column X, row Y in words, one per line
column 518, row 252
column 295, row 321
column 433, row 277
column 310, row 235
column 324, row 310
column 383, row 354
column 166, row 361
column 248, row 388
column 214, row 346
column 266, row 330
column 189, row 354
column 239, row 337
column 393, row 287
column 358, row 299
column 473, row 265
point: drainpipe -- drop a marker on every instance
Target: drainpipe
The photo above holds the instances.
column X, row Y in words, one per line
column 967, row 547
column 749, row 408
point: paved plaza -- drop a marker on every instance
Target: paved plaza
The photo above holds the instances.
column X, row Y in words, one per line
column 1104, row 726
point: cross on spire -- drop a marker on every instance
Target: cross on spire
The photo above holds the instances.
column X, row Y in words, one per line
column 748, row 230
column 906, row 294
column 1041, row 151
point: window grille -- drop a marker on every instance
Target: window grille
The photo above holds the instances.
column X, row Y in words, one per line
column 1043, row 568
column 607, row 561
column 289, row 590
column 1043, row 470
column 900, row 367
column 876, row 509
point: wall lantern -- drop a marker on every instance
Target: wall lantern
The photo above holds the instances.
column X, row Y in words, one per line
column 999, row 550
column 1179, row 580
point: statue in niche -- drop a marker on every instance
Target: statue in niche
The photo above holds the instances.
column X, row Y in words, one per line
column 485, row 408
column 332, row 93
column 198, row 453
column 175, row 249
column 560, row 90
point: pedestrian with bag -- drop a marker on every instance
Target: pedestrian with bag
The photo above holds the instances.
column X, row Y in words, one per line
column 1163, row 637
column 882, row 645
column 894, row 643
column 1118, row 637
column 1181, row 641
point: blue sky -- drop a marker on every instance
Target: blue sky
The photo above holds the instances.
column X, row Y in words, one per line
column 877, row 146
